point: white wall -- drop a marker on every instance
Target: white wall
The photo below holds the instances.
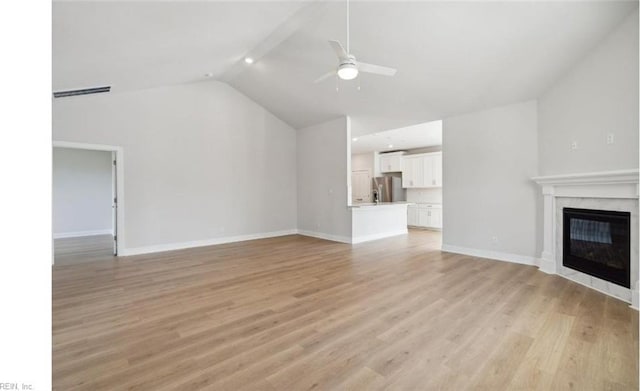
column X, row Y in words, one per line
column 598, row 96
column 363, row 161
column 490, row 202
column 82, row 192
column 362, row 125
column 323, row 168
column 425, row 195
column 201, row 161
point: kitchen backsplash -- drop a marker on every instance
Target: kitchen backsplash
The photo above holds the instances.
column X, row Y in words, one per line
column 425, row 195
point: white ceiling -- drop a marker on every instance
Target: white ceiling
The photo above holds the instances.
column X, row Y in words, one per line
column 134, row 45
column 427, row 134
column 452, row 57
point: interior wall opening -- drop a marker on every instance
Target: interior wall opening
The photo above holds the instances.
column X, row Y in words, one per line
column 85, row 210
column 402, row 165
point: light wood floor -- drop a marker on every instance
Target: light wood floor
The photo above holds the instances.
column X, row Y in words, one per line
column 296, row 313
column 83, row 249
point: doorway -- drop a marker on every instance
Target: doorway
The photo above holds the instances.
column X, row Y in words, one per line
column 361, row 182
column 87, row 208
column 409, row 161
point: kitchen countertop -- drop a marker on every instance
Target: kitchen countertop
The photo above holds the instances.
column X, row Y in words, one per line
column 370, row 205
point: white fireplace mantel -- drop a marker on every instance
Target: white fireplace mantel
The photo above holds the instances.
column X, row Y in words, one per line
column 619, row 184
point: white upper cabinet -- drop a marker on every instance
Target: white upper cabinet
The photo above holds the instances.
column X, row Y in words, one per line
column 433, row 170
column 413, row 171
column 391, row 162
column 423, row 170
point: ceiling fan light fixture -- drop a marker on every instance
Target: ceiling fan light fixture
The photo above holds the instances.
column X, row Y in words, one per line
column 348, row 68
column 347, row 71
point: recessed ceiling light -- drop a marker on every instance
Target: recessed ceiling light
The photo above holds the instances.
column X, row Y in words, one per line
column 354, row 139
column 390, row 145
column 248, row 60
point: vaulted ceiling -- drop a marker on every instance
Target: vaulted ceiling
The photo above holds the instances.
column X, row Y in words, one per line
column 452, row 57
column 142, row 44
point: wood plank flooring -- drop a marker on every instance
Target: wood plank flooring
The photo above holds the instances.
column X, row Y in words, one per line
column 297, row 313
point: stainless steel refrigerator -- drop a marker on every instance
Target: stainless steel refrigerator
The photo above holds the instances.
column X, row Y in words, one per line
column 387, row 189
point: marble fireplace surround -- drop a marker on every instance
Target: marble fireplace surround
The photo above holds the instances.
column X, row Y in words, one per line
column 607, row 190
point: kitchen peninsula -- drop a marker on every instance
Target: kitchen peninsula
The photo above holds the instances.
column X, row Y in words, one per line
column 371, row 221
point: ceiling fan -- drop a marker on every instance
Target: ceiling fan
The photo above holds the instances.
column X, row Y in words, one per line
column 348, row 68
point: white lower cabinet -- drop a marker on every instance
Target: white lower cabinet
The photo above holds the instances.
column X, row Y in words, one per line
column 425, row 215
column 412, row 216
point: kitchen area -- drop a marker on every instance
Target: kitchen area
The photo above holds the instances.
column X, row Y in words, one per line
column 396, row 181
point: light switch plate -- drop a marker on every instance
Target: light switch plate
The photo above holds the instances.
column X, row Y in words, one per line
column 610, row 138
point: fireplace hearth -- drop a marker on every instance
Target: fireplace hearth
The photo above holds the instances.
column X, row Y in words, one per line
column 597, row 242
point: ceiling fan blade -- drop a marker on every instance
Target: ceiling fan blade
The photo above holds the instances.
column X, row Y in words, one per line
column 325, row 76
column 376, row 69
column 340, row 52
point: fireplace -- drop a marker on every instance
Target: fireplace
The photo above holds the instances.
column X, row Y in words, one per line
column 597, row 242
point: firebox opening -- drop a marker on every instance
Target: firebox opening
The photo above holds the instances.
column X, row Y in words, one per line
column 597, row 242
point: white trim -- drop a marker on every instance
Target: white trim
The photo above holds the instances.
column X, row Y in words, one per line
column 349, row 174
column 368, row 238
column 425, row 228
column 79, row 234
column 93, row 147
column 546, row 264
column 120, row 229
column 206, row 242
column 321, row 235
column 494, row 255
column 591, row 178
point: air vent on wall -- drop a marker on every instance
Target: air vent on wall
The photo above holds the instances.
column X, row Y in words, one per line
column 85, row 91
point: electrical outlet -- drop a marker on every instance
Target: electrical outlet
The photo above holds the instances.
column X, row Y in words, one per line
column 494, row 241
column 574, row 145
column 610, row 138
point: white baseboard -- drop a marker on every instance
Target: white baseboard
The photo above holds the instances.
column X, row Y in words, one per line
column 497, row 255
column 241, row 238
column 321, row 235
column 547, row 263
column 368, row 238
column 205, row 242
column 78, row 234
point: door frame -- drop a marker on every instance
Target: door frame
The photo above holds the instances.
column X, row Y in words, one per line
column 119, row 153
